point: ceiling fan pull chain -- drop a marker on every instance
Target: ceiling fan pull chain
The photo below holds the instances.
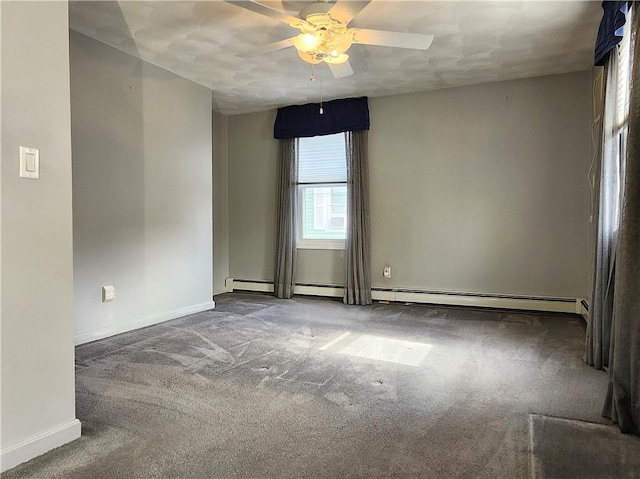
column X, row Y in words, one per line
column 321, row 109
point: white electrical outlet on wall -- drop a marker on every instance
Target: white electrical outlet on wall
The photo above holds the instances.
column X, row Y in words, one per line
column 386, row 272
column 108, row 293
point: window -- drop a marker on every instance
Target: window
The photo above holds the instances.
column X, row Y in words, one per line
column 625, row 53
column 322, row 192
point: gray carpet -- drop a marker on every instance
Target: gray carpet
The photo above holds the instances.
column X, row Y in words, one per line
column 563, row 448
column 311, row 388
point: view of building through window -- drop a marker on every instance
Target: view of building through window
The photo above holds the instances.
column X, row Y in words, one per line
column 325, row 212
column 322, row 177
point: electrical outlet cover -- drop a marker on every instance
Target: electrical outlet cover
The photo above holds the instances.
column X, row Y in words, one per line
column 108, row 293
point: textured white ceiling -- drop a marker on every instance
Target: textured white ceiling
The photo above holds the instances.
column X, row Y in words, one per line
column 475, row 42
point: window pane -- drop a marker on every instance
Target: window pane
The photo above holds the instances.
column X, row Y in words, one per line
column 338, row 210
column 337, row 222
column 321, row 199
column 625, row 57
column 324, row 216
column 322, row 159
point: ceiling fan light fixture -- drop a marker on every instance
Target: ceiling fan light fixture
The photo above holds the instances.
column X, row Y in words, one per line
column 310, row 57
column 306, row 42
column 318, row 44
column 338, row 59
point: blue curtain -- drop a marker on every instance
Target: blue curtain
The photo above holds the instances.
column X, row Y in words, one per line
column 338, row 116
column 610, row 32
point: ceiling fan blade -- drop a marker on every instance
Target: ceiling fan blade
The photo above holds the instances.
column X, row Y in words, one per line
column 341, row 70
column 266, row 10
column 416, row 41
column 271, row 47
column 346, row 10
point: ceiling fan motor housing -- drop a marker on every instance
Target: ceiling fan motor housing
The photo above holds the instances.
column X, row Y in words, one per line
column 316, row 8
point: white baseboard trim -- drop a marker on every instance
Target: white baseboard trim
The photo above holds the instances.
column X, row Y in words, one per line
column 501, row 301
column 112, row 330
column 37, row 445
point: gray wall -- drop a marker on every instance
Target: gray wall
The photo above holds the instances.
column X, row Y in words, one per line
column 38, row 390
column 474, row 189
column 220, row 203
column 252, row 195
column 142, row 191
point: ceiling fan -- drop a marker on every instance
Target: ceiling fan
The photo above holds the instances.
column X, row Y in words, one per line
column 325, row 35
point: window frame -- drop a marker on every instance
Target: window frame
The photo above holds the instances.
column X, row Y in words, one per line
column 319, row 243
column 625, row 52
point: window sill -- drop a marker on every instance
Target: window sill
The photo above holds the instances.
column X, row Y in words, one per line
column 321, row 244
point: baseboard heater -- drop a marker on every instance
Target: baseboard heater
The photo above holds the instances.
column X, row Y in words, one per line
column 584, row 309
column 486, row 300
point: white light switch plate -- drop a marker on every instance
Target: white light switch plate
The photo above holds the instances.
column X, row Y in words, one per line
column 29, row 162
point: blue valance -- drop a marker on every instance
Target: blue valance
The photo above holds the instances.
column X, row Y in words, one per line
column 611, row 29
column 301, row 121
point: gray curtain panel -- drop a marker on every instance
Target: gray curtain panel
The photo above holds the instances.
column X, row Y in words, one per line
column 606, row 218
column 286, row 210
column 623, row 397
column 358, row 242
